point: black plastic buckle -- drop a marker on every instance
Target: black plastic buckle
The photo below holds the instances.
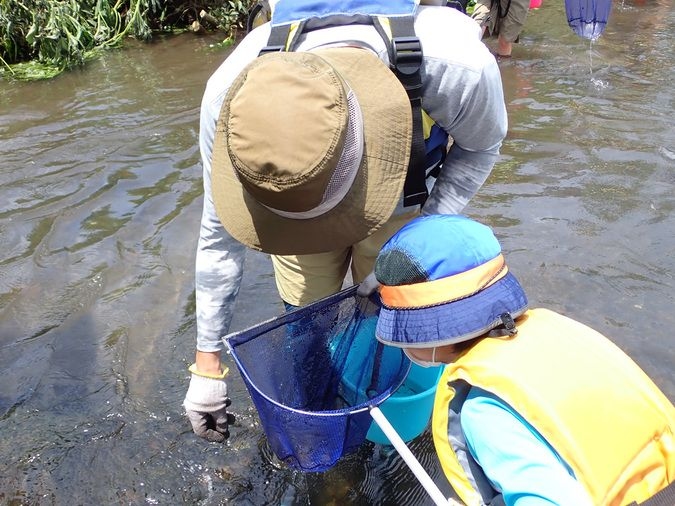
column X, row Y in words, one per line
column 270, row 49
column 508, row 323
column 416, row 199
column 407, row 57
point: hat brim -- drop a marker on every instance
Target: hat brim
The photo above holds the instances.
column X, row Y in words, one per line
column 374, row 194
column 453, row 322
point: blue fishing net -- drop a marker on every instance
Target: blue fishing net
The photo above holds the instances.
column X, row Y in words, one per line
column 313, row 374
column 588, row 18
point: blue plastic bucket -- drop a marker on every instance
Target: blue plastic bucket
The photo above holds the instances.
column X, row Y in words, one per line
column 409, row 408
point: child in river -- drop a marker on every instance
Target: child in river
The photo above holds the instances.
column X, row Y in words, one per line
column 533, row 407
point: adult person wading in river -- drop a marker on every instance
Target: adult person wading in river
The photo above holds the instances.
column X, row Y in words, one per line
column 306, row 155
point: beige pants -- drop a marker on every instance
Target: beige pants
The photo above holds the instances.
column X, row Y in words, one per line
column 302, row 279
column 510, row 25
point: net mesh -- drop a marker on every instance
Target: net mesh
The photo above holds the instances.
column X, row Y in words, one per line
column 588, row 18
column 313, row 373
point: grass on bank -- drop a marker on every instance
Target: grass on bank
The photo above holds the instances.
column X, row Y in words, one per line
column 39, row 39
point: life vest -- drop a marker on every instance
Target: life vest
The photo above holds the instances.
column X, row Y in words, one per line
column 394, row 21
column 261, row 11
column 607, row 420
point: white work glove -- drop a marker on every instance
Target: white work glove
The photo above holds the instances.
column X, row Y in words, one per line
column 368, row 286
column 206, row 405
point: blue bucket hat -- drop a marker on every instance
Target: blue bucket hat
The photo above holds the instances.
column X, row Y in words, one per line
column 444, row 281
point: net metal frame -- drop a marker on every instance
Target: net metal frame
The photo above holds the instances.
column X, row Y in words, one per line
column 315, row 436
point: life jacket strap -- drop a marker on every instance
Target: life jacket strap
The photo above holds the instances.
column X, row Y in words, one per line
column 664, row 497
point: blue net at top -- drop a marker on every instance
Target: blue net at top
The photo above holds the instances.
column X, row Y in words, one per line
column 588, row 18
column 313, row 373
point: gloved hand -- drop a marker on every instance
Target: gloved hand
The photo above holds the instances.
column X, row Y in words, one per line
column 368, row 286
column 206, row 405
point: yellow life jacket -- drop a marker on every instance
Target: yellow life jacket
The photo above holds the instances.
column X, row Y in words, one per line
column 602, row 414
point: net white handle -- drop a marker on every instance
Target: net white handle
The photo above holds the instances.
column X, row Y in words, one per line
column 412, row 462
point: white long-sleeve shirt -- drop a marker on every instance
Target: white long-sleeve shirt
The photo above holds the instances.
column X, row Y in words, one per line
column 462, row 93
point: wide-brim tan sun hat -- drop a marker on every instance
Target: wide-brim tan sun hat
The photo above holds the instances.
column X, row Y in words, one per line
column 311, row 150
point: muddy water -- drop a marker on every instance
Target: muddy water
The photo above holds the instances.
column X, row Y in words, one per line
column 99, row 206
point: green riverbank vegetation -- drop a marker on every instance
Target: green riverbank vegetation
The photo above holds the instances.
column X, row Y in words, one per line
column 42, row 38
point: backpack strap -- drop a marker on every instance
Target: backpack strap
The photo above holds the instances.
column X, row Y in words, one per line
column 405, row 57
column 665, row 497
column 283, row 37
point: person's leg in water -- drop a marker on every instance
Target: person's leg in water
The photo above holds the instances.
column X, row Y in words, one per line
column 485, row 17
column 510, row 25
column 501, row 18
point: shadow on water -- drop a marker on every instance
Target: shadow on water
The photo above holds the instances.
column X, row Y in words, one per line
column 101, row 188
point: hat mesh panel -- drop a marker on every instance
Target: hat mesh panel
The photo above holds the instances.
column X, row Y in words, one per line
column 396, row 267
column 349, row 156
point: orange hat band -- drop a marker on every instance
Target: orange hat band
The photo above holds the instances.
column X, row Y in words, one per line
column 440, row 291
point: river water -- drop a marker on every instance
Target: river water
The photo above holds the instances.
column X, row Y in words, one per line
column 100, row 194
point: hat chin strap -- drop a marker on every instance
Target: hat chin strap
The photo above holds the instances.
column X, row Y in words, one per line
column 345, row 171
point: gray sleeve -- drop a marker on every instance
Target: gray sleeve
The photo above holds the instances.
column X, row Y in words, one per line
column 463, row 94
column 218, row 271
column 220, row 258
